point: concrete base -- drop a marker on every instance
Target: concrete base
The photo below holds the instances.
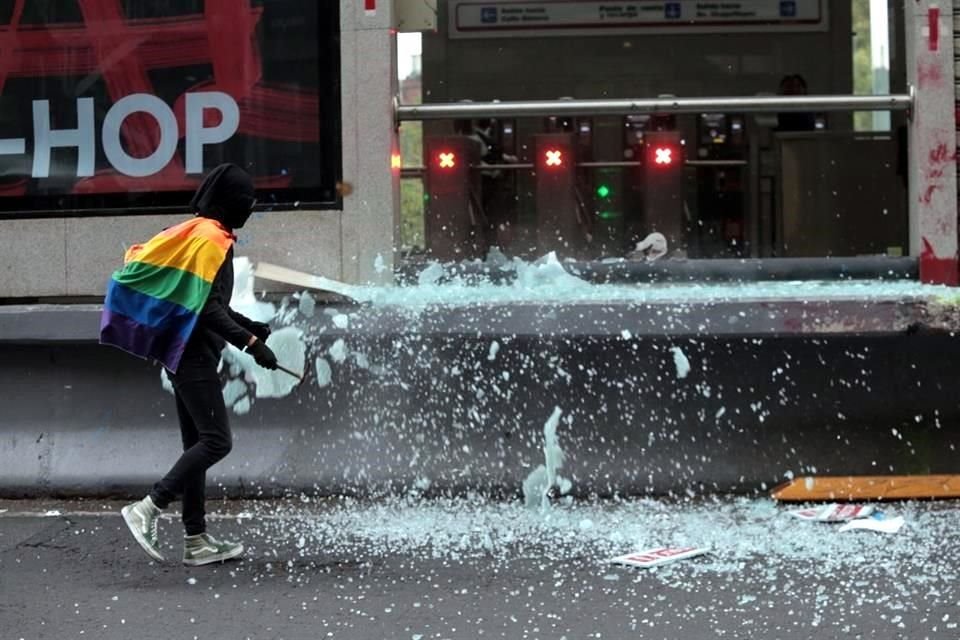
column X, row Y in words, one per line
column 439, row 407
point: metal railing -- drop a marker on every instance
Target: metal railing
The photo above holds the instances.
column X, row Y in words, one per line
column 418, row 171
column 746, row 104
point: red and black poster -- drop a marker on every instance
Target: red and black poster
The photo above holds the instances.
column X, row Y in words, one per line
column 111, row 107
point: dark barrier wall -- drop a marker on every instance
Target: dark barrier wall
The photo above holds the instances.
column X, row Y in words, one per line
column 448, row 412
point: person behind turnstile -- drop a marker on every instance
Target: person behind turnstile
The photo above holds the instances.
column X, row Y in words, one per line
column 795, row 85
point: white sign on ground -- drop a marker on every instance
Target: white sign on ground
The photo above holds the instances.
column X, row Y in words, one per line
column 656, row 557
column 874, row 523
column 833, row 512
column 525, row 18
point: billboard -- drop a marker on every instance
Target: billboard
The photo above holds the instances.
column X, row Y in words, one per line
column 111, row 107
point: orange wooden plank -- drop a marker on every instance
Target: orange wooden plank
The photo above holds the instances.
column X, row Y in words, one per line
column 813, row 488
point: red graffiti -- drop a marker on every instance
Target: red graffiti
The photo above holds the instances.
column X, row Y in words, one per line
column 941, row 154
column 931, row 189
column 933, row 23
column 929, row 75
column 937, row 270
column 940, row 159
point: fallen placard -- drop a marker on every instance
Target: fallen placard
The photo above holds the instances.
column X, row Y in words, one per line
column 659, row 556
column 851, row 488
column 877, row 522
column 833, row 512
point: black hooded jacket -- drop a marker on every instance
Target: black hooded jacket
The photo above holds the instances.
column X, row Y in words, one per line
column 227, row 196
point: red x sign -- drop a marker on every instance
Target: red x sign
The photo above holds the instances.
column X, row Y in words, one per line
column 554, row 158
column 664, row 155
column 448, row 160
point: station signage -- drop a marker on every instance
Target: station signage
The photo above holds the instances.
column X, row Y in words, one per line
column 520, row 18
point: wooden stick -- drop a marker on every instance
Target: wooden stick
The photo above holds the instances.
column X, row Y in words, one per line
column 814, row 488
column 298, row 376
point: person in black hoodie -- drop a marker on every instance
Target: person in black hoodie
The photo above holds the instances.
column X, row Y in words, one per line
column 227, row 196
column 795, row 85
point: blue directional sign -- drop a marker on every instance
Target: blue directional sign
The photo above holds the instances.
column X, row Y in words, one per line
column 788, row 9
column 672, row 10
column 488, row 15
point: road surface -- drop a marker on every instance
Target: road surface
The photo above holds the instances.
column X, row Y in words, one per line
column 472, row 568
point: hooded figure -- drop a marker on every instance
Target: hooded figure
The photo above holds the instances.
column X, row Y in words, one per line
column 225, row 197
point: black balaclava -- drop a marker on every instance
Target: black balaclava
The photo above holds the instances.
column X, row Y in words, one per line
column 225, row 195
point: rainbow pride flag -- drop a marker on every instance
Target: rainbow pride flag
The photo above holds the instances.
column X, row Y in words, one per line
column 153, row 303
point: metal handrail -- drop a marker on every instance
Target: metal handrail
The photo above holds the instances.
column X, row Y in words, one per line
column 416, row 171
column 745, row 104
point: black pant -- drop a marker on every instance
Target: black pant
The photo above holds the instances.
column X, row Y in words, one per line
column 206, row 440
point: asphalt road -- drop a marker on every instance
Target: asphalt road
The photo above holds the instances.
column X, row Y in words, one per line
column 415, row 570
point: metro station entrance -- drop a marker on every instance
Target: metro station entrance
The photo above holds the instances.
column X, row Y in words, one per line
column 747, row 182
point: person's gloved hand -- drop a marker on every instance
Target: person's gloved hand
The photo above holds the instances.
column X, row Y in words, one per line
column 259, row 329
column 263, row 355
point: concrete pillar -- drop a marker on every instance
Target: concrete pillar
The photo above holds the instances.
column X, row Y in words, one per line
column 933, row 146
column 371, row 213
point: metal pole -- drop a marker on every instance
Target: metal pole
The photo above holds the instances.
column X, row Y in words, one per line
column 415, row 171
column 747, row 104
